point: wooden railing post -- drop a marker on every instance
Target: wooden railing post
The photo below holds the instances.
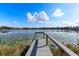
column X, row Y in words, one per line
column 43, row 35
column 35, row 34
column 46, row 39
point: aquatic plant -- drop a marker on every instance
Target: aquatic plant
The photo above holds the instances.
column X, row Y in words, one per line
column 14, row 47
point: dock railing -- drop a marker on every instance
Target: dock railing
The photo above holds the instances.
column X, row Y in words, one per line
column 47, row 37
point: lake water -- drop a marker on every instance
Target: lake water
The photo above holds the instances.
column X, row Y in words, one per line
column 62, row 36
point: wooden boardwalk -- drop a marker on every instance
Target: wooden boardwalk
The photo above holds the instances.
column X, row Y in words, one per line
column 39, row 49
column 39, row 46
column 43, row 49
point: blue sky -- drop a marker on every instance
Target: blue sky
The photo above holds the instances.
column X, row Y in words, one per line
column 39, row 15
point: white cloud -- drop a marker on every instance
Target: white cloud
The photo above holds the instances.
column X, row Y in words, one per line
column 58, row 13
column 41, row 16
column 30, row 17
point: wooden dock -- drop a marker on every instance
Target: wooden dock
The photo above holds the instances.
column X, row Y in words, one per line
column 43, row 49
column 39, row 46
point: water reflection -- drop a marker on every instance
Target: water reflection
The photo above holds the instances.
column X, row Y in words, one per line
column 64, row 36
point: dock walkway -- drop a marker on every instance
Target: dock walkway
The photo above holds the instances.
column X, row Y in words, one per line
column 39, row 46
column 42, row 48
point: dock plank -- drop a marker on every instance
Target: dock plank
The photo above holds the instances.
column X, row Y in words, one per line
column 43, row 49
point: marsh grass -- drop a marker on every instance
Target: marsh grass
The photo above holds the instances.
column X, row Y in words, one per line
column 73, row 48
column 59, row 52
column 14, row 47
column 56, row 52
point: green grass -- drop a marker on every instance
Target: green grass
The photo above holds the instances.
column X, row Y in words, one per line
column 14, row 47
column 56, row 52
column 59, row 52
column 73, row 48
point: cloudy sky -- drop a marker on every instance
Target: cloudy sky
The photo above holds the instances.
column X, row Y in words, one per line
column 39, row 15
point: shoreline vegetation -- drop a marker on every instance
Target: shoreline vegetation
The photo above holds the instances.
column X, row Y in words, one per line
column 14, row 47
column 58, row 51
column 76, row 28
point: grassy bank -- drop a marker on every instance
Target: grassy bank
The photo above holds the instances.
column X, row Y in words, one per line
column 59, row 52
column 14, row 47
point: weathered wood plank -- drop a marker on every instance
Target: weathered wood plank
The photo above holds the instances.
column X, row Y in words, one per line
column 29, row 52
column 43, row 49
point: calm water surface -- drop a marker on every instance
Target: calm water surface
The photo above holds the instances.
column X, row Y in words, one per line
column 61, row 35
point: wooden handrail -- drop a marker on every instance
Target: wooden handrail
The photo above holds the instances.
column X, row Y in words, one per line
column 64, row 48
column 49, row 36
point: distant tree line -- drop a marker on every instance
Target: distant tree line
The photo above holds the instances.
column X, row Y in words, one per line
column 76, row 28
column 6, row 27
